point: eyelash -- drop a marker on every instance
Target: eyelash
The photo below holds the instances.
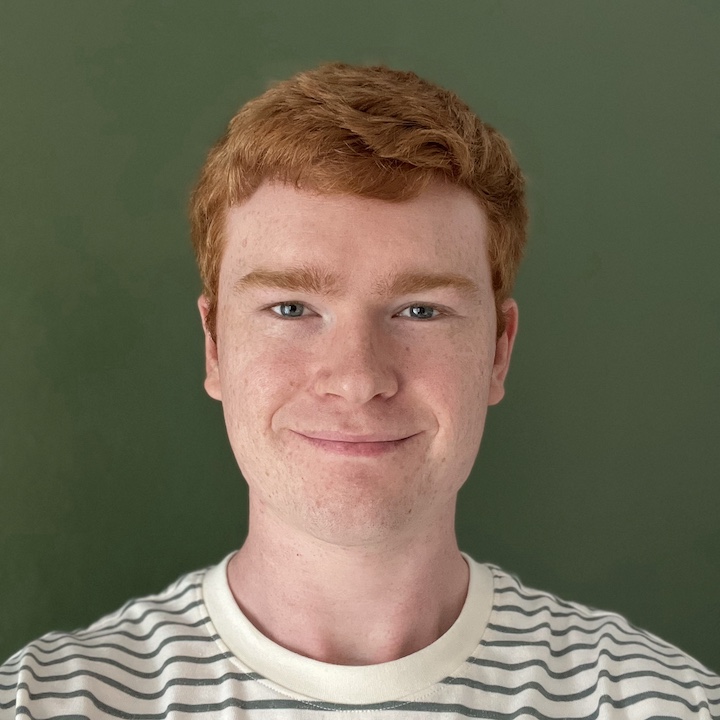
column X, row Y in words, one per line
column 439, row 311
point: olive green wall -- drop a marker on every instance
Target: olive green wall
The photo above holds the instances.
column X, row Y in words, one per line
column 598, row 477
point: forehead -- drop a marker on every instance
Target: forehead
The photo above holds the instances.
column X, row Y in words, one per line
column 443, row 229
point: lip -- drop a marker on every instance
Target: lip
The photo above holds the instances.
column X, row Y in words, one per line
column 361, row 448
column 346, row 437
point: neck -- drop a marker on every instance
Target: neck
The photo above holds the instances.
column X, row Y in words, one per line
column 349, row 605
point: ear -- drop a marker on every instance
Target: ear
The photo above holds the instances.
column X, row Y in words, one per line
column 503, row 351
column 212, row 374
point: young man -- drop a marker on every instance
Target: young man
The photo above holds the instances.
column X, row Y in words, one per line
column 358, row 231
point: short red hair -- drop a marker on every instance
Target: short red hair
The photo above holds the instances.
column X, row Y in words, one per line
column 368, row 131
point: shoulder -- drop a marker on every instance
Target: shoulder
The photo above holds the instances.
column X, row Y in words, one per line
column 123, row 648
column 569, row 646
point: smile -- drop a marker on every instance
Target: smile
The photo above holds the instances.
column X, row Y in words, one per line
column 362, row 449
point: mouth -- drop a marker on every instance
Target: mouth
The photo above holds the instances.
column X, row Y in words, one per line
column 361, row 448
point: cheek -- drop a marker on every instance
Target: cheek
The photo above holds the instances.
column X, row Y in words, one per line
column 463, row 394
column 256, row 377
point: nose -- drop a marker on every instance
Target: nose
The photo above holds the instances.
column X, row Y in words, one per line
column 357, row 362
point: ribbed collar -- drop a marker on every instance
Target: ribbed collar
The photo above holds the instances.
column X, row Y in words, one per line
column 356, row 684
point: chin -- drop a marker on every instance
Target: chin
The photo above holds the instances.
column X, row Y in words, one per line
column 350, row 523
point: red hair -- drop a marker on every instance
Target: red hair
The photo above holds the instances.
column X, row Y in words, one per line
column 368, row 131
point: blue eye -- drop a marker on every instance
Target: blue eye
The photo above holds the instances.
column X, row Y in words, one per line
column 425, row 316
column 291, row 310
column 294, row 305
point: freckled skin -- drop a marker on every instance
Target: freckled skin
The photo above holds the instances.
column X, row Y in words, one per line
column 356, row 363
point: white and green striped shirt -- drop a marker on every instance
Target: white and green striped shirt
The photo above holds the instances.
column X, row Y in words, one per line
column 513, row 652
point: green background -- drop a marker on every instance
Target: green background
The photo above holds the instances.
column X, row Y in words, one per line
column 598, row 476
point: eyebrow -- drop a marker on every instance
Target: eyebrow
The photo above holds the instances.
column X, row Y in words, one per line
column 317, row 281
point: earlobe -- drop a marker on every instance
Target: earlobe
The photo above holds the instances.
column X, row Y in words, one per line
column 212, row 374
column 503, row 351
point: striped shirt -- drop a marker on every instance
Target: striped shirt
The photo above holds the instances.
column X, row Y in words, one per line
column 513, row 652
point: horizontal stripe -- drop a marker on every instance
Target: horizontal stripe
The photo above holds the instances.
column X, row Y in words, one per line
column 126, row 634
column 546, row 596
column 105, row 629
column 185, row 584
column 100, row 633
column 162, row 604
column 150, row 611
column 587, row 614
column 510, row 630
column 568, row 697
column 573, row 648
column 145, row 655
column 576, row 670
column 191, row 660
column 601, row 617
column 410, row 707
column 11, row 662
column 138, row 694
column 586, row 681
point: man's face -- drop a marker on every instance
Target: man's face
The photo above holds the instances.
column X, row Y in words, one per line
column 329, row 323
